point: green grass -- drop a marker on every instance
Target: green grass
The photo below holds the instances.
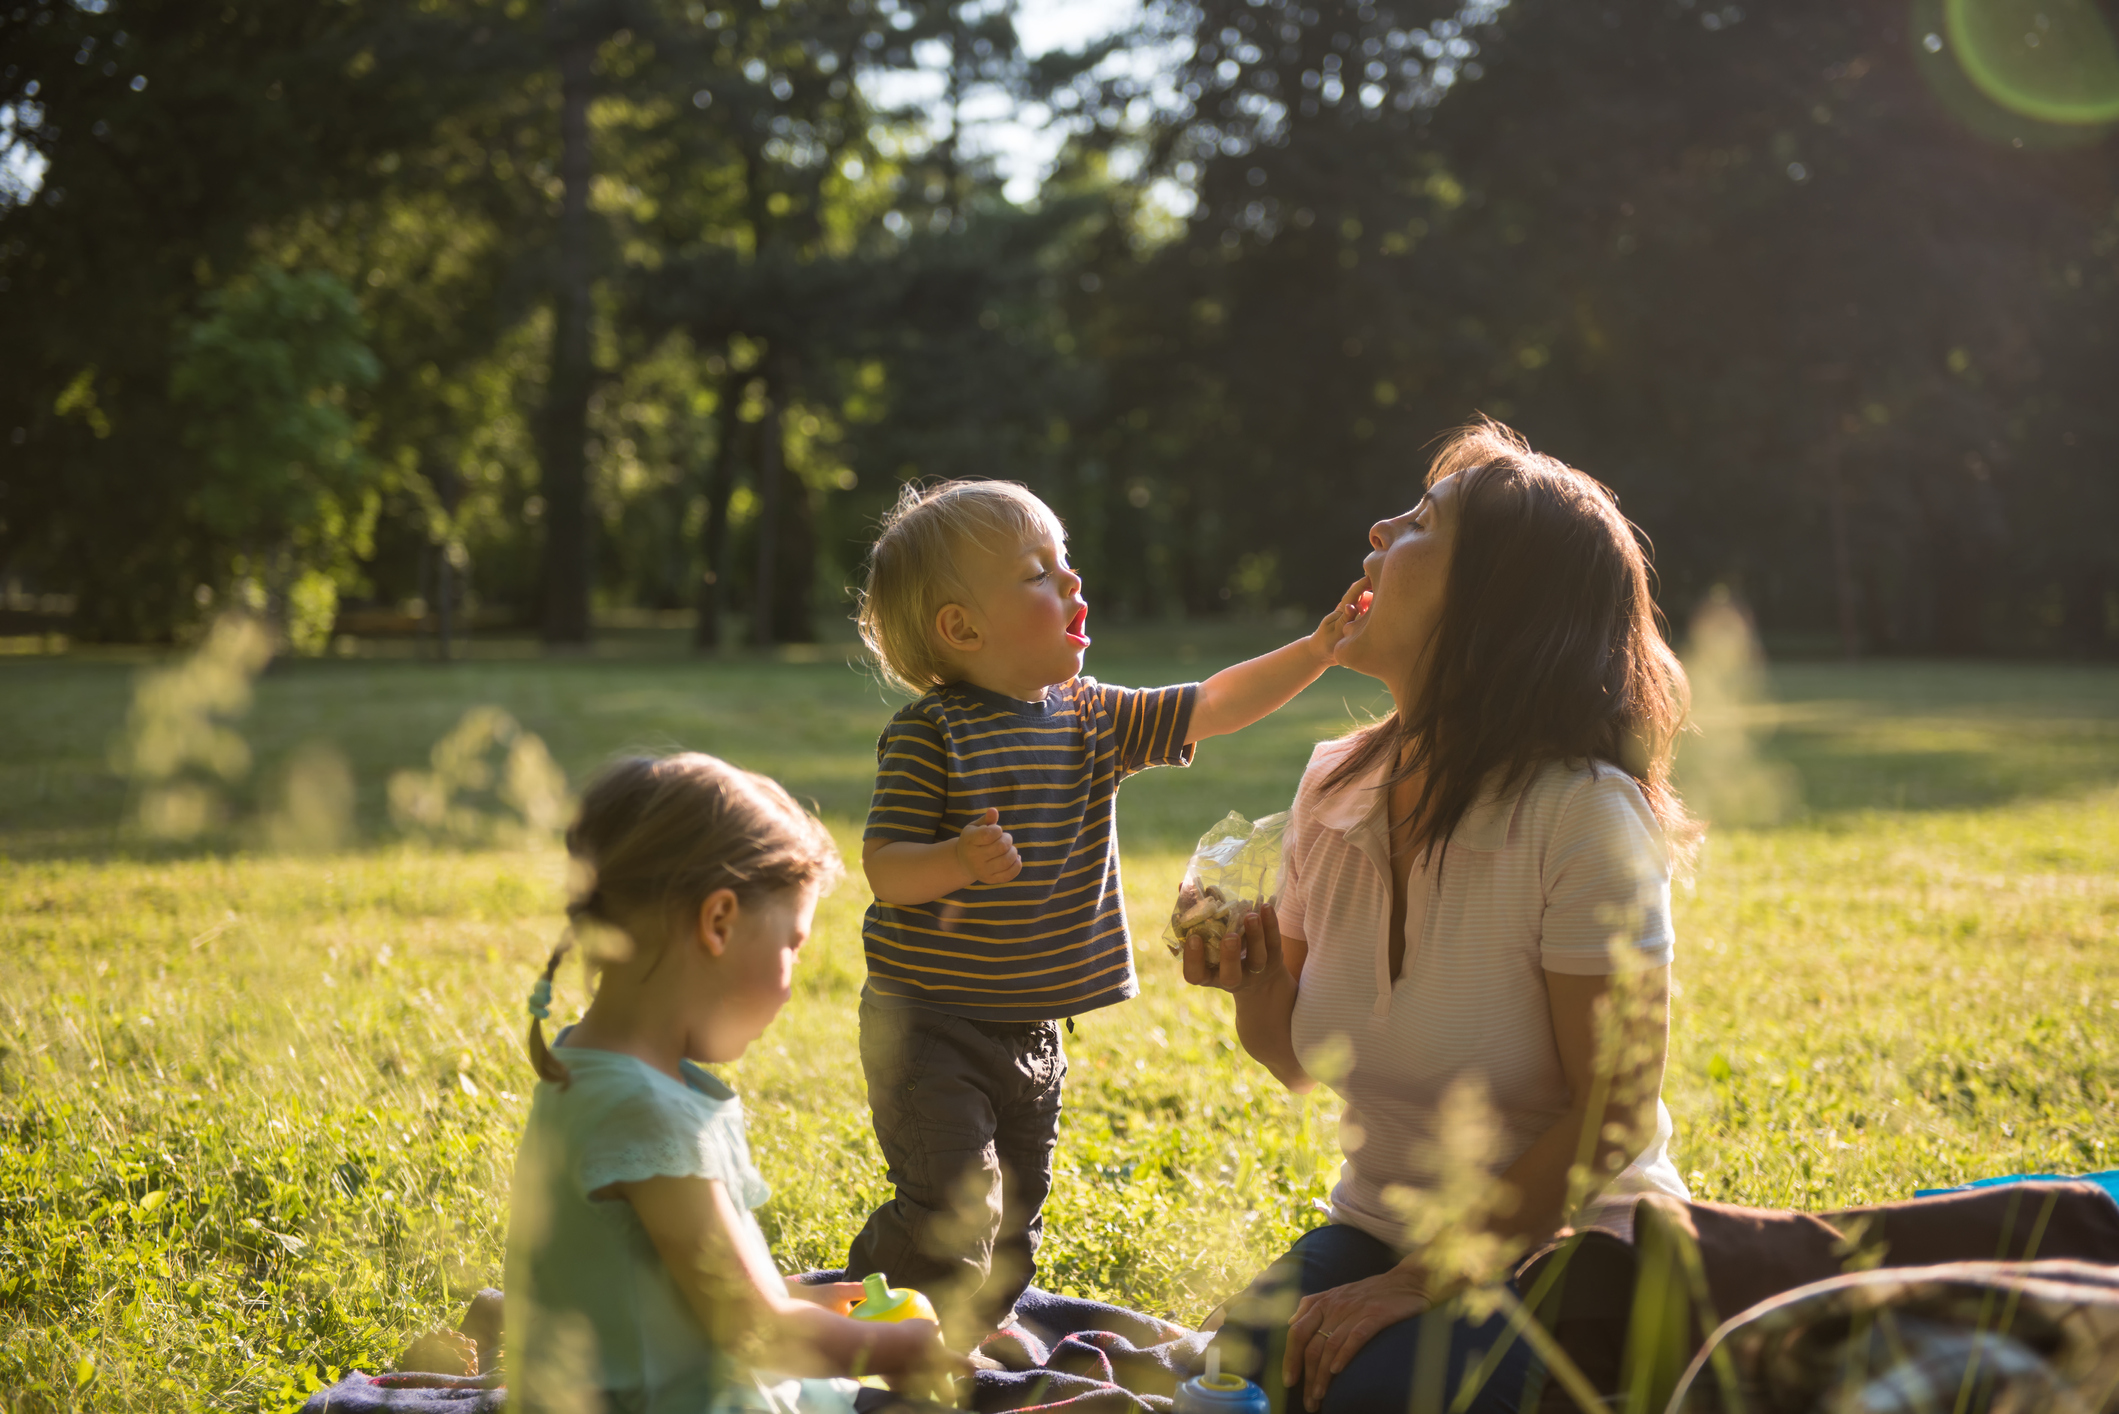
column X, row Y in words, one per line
column 257, row 1110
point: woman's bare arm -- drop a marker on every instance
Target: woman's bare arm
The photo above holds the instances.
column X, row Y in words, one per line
column 1613, row 1034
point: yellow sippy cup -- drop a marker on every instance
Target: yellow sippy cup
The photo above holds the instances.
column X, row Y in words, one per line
column 887, row 1303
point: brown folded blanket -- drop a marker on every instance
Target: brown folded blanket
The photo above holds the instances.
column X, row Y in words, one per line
column 1975, row 1336
column 1595, row 1292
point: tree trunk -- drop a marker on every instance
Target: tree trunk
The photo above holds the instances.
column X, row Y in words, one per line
column 1955, row 576
column 277, row 578
column 720, row 485
column 1843, row 585
column 2083, row 612
column 1131, row 532
column 444, row 595
column 448, row 491
column 771, row 462
column 795, row 564
column 567, row 531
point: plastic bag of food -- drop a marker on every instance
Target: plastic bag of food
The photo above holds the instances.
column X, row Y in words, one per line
column 1235, row 868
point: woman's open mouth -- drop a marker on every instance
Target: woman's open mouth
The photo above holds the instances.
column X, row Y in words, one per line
column 1078, row 628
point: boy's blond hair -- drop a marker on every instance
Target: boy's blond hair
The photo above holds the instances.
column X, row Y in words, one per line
column 913, row 568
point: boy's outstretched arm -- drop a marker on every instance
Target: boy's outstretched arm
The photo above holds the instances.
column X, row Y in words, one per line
column 1237, row 696
column 900, row 871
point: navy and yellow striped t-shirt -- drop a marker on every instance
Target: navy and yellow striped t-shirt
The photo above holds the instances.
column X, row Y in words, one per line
column 1050, row 942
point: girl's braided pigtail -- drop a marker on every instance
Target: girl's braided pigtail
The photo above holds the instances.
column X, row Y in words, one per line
column 542, row 1060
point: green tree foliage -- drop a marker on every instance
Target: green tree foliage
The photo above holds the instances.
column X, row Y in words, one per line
column 849, row 263
column 262, row 384
column 668, row 296
column 1850, row 278
column 1824, row 316
column 186, row 143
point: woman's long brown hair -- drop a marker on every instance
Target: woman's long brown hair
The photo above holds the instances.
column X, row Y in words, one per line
column 657, row 834
column 1549, row 647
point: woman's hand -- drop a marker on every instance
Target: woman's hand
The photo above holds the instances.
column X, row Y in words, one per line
column 1329, row 1327
column 1246, row 955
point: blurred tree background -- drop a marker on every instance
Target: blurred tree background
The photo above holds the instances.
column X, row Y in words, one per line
column 495, row 313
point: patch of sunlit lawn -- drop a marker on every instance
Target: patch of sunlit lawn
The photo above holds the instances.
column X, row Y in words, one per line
column 257, row 1111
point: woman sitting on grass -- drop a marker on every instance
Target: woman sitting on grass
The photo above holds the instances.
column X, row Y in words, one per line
column 637, row 1276
column 1473, row 941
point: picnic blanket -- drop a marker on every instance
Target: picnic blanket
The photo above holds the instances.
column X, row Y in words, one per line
column 409, row 1393
column 2016, row 1336
column 1587, row 1287
column 2108, row 1180
column 1059, row 1353
column 1085, row 1357
column 415, row 1392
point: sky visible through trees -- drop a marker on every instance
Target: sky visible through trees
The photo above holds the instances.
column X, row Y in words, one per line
column 496, row 314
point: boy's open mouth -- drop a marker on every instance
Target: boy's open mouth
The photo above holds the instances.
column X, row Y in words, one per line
column 1078, row 630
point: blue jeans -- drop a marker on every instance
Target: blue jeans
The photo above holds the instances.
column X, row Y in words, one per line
column 1383, row 1375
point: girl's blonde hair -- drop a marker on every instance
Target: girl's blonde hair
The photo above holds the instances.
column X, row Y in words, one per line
column 657, row 834
column 914, row 567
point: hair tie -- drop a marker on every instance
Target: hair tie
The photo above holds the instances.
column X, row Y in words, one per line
column 541, row 999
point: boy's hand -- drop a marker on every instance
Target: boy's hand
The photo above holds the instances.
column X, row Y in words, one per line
column 987, row 852
column 1333, row 628
column 1239, row 695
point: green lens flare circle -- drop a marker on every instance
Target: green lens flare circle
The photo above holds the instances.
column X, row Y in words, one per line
column 2052, row 60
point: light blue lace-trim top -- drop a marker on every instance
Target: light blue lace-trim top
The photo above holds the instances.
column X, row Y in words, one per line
column 591, row 1309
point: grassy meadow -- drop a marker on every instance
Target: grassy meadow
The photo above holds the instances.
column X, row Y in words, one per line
column 259, row 1091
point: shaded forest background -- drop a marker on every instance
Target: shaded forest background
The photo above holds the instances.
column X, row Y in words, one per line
column 493, row 313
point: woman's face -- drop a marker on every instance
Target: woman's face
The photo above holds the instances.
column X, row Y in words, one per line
column 1407, row 568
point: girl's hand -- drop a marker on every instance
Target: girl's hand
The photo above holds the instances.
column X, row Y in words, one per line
column 1330, row 1326
column 838, row 1296
column 1246, row 957
column 1334, row 626
column 910, row 1356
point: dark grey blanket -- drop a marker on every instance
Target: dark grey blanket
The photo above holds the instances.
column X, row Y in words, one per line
column 1060, row 1353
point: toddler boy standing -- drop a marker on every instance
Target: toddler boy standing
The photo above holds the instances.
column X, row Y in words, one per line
column 992, row 849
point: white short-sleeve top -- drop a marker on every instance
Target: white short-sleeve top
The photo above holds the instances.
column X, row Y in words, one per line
column 1568, row 873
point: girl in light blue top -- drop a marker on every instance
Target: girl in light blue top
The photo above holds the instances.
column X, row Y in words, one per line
column 637, row 1276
